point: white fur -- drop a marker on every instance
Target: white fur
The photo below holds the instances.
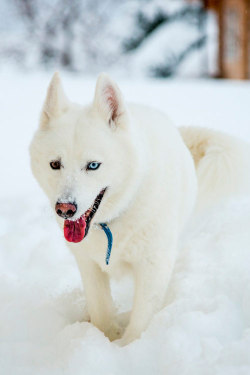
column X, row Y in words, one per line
column 222, row 164
column 151, row 193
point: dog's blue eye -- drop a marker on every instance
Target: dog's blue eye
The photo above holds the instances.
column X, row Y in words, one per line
column 93, row 166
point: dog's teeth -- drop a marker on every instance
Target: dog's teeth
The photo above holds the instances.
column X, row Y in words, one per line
column 91, row 211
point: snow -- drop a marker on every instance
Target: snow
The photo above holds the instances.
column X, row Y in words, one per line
column 44, row 328
column 159, row 48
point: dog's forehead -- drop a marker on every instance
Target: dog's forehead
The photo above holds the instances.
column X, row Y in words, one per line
column 79, row 132
column 90, row 130
column 74, row 121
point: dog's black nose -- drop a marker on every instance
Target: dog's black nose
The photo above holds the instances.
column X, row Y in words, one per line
column 66, row 210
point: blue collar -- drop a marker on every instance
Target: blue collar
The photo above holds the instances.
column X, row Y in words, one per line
column 109, row 235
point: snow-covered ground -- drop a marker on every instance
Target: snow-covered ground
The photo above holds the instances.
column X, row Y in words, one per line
column 204, row 329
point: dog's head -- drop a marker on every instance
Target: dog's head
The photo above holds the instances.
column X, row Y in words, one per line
column 86, row 159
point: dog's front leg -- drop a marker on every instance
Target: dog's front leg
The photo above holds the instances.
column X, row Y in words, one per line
column 98, row 296
column 151, row 281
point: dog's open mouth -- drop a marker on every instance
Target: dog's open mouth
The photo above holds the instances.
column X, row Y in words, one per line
column 75, row 231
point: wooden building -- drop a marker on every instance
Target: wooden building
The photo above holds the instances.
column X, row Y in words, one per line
column 234, row 37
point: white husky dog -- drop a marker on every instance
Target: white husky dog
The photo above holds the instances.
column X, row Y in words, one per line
column 127, row 166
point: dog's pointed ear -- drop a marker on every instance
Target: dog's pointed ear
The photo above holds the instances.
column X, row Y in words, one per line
column 55, row 103
column 109, row 101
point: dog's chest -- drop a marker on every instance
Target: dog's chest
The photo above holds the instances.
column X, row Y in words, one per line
column 97, row 248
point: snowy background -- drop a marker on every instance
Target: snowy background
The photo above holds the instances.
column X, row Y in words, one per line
column 205, row 327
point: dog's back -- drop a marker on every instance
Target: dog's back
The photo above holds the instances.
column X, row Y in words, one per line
column 222, row 164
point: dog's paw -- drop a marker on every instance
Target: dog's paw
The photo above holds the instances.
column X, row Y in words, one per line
column 115, row 332
column 124, row 341
column 123, row 319
column 128, row 337
column 120, row 342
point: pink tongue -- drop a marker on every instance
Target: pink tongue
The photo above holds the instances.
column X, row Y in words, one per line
column 74, row 231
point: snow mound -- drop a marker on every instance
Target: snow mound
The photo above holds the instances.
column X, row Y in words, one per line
column 204, row 329
column 44, row 328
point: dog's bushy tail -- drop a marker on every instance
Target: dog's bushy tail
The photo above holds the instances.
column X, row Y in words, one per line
column 222, row 164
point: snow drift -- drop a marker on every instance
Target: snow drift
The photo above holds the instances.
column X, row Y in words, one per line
column 44, row 329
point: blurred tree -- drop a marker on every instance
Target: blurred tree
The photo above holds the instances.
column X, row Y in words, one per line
column 147, row 23
column 138, row 36
column 48, row 25
column 67, row 33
